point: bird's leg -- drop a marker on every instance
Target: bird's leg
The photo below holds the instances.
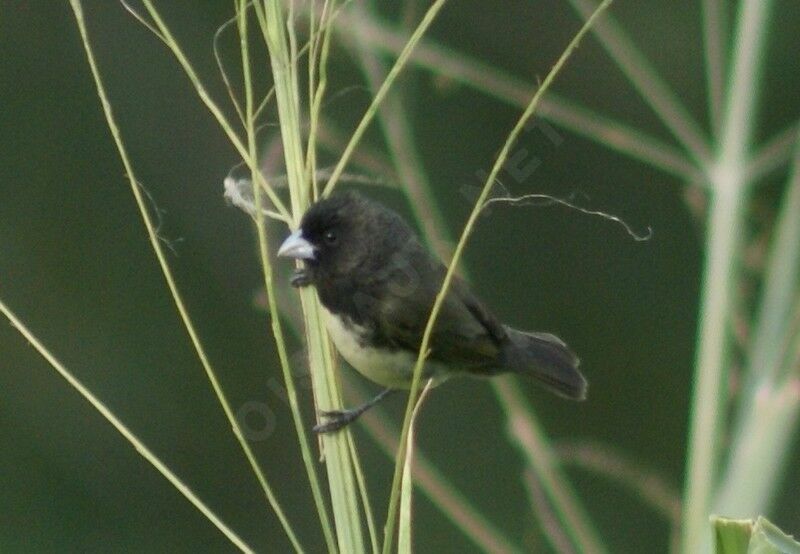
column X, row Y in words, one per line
column 300, row 278
column 338, row 419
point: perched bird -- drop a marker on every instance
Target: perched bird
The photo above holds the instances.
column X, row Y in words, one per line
column 377, row 285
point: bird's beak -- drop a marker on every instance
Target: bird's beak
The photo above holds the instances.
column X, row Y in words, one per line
column 295, row 246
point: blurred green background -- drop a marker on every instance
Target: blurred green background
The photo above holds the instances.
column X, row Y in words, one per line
column 76, row 266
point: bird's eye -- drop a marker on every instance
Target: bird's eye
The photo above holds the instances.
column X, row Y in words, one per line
column 331, row 237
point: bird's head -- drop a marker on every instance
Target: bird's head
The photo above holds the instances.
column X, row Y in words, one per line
column 343, row 232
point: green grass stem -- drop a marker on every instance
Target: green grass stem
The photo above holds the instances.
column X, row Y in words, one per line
column 166, row 36
column 725, row 226
column 155, row 243
column 767, row 412
column 495, row 83
column 399, row 140
column 123, row 430
column 715, row 50
column 308, row 460
column 664, row 102
column 525, row 432
column 341, row 477
column 399, row 64
column 773, row 154
column 424, row 347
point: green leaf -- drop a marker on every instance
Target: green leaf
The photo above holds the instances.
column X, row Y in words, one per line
column 732, row 536
column 406, row 489
column 743, row 536
column 768, row 539
column 407, row 482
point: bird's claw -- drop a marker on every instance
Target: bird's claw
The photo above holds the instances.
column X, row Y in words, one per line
column 328, row 427
column 300, row 278
column 333, row 414
column 336, row 420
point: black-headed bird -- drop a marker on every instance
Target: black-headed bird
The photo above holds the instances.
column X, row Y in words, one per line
column 377, row 285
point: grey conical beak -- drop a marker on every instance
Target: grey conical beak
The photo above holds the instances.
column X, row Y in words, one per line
column 295, row 246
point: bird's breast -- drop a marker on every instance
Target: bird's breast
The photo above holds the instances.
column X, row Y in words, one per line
column 390, row 367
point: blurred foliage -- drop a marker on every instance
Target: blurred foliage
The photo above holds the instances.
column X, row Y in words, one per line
column 75, row 264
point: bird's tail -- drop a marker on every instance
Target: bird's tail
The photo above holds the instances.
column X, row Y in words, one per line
column 547, row 359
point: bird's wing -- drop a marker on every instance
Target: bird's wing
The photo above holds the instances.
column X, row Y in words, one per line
column 465, row 333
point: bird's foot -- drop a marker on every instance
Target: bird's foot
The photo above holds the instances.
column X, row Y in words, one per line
column 300, row 278
column 336, row 420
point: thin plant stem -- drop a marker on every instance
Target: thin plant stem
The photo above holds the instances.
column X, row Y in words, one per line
column 339, row 463
column 405, row 539
column 369, row 515
column 314, row 37
column 398, row 137
column 316, row 95
column 400, row 63
column 710, row 393
column 773, row 154
column 215, row 110
column 424, row 346
column 781, row 277
column 649, row 84
column 762, row 448
column 540, row 505
column 395, row 123
column 767, row 413
column 123, row 430
column 155, row 243
column 270, row 18
column 715, row 48
column 221, row 67
column 331, row 138
column 511, row 90
column 525, row 432
column 605, row 461
column 443, row 494
column 277, row 330
column 730, row 191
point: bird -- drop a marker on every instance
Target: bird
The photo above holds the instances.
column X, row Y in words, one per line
column 377, row 284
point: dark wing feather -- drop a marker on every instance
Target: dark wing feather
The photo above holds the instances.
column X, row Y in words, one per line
column 466, row 336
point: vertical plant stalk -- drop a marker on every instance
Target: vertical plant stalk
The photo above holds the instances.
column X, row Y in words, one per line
column 365, row 502
column 270, row 17
column 767, row 414
column 277, row 330
column 761, row 449
column 123, row 430
column 710, row 394
column 715, row 48
column 405, row 540
column 317, row 67
column 339, row 464
column 781, row 277
column 424, row 346
column 729, row 194
column 173, row 288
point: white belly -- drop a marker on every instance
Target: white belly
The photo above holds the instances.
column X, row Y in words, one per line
column 385, row 367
